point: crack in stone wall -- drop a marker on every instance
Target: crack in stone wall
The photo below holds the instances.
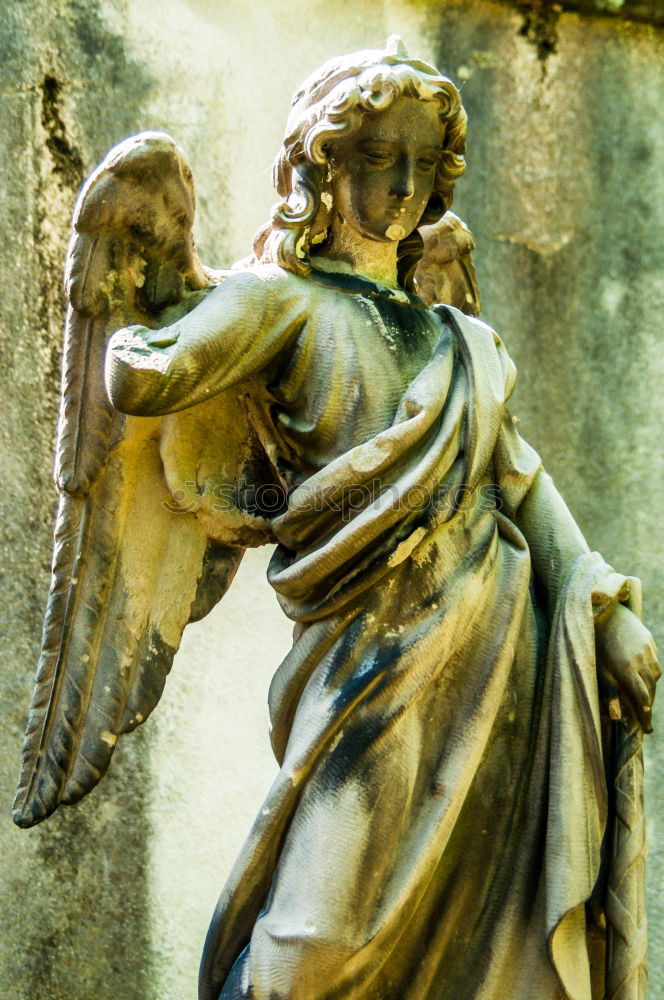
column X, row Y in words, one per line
column 67, row 159
column 540, row 28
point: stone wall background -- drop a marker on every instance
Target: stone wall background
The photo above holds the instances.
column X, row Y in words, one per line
column 565, row 195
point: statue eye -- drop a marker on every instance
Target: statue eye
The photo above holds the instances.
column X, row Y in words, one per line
column 426, row 163
column 376, row 157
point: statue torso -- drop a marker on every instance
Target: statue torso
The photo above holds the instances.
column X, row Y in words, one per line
column 340, row 381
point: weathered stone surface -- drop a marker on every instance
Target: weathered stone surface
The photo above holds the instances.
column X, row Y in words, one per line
column 646, row 11
column 67, row 885
column 564, row 195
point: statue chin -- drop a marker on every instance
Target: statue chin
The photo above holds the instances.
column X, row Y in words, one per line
column 395, row 232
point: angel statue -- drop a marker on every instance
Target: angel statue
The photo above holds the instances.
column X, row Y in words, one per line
column 458, row 810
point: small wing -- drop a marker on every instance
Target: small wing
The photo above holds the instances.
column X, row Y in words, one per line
column 446, row 273
column 131, row 567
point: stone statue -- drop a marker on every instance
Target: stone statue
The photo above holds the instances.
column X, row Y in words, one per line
column 458, row 811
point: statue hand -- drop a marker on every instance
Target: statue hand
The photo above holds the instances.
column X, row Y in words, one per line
column 628, row 667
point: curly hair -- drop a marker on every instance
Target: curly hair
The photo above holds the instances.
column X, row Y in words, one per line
column 331, row 105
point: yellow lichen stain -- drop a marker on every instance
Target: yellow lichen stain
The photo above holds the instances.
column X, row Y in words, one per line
column 404, row 549
column 615, row 710
column 299, row 248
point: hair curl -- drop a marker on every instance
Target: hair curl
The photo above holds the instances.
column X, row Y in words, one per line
column 331, row 105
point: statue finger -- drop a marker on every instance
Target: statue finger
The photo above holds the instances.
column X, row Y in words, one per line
column 641, row 700
column 650, row 673
column 654, row 659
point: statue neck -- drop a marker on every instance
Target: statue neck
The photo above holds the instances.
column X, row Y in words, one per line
column 350, row 252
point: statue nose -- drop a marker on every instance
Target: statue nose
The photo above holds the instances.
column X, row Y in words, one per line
column 404, row 183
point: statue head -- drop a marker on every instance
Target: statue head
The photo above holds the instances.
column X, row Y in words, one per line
column 330, row 107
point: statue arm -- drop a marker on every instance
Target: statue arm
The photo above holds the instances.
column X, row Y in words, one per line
column 236, row 331
column 626, row 653
column 553, row 536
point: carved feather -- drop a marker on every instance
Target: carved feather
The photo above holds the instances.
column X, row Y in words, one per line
column 446, row 273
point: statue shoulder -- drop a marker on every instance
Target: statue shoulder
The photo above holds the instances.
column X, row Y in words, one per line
column 470, row 325
column 481, row 341
column 271, row 278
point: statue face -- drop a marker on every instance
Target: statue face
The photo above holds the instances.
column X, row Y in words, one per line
column 383, row 175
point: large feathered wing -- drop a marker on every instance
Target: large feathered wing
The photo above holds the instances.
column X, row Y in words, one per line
column 141, row 544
